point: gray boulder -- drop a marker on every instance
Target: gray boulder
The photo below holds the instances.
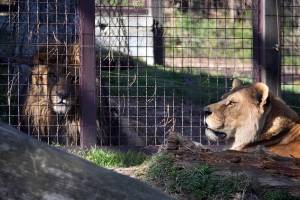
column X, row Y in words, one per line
column 32, row 170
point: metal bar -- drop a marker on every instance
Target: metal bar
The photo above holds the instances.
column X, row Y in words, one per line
column 88, row 135
column 266, row 43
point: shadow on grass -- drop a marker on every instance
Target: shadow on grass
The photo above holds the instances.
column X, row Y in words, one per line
column 187, row 84
column 156, row 81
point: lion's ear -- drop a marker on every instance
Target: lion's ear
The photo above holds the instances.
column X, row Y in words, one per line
column 262, row 93
column 236, row 83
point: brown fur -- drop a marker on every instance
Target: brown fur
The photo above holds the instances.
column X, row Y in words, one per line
column 53, row 81
column 38, row 107
column 37, row 104
column 251, row 115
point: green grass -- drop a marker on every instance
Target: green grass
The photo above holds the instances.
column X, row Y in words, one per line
column 111, row 159
column 197, row 182
column 291, row 60
column 278, row 195
column 193, row 182
column 198, row 36
column 209, row 37
column 200, row 182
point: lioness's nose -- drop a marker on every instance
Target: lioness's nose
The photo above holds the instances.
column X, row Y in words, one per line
column 207, row 110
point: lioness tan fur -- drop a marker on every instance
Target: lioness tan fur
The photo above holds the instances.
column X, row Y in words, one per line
column 251, row 115
column 51, row 107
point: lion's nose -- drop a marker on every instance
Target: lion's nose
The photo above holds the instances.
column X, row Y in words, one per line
column 62, row 95
column 207, row 110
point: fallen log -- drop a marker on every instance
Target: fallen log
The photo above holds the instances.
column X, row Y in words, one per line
column 267, row 171
column 32, row 170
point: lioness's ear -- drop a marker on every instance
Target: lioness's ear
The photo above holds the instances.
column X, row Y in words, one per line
column 262, row 93
column 236, row 83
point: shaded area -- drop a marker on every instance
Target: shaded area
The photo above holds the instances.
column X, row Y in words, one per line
column 152, row 100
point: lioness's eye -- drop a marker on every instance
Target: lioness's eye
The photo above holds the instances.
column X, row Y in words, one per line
column 231, row 103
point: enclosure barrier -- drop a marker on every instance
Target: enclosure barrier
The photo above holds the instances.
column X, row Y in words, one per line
column 128, row 73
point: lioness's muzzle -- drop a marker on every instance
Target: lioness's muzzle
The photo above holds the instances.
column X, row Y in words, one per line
column 214, row 135
column 207, row 110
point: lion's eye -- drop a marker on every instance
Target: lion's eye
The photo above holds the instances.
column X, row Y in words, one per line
column 52, row 75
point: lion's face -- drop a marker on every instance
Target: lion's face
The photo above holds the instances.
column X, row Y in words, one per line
column 62, row 96
column 54, row 85
column 240, row 111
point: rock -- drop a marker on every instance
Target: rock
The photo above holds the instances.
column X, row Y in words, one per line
column 32, row 170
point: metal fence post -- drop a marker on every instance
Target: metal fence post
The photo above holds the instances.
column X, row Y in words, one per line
column 88, row 135
column 266, row 43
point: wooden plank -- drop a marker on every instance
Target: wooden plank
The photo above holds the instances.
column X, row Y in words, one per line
column 266, row 43
column 88, row 135
column 271, row 72
column 158, row 31
column 257, row 37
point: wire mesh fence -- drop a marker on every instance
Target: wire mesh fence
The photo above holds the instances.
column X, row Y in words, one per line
column 203, row 46
column 157, row 64
column 290, row 33
column 39, row 57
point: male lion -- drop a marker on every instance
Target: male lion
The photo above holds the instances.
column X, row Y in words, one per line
column 251, row 115
column 51, row 106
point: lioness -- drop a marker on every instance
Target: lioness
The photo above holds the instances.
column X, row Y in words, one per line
column 251, row 115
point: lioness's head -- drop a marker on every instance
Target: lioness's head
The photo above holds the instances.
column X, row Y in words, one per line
column 51, row 84
column 240, row 114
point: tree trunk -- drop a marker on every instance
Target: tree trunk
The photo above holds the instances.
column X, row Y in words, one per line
column 267, row 171
column 32, row 170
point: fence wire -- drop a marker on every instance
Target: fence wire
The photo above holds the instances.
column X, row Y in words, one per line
column 181, row 56
column 290, row 43
column 37, row 46
column 157, row 64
